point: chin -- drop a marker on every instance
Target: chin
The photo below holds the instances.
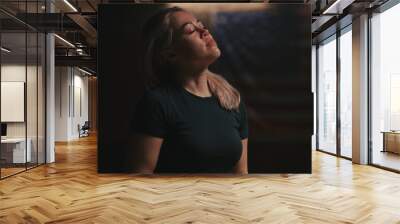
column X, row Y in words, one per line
column 211, row 56
column 216, row 53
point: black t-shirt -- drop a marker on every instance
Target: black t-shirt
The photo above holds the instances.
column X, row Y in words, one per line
column 199, row 135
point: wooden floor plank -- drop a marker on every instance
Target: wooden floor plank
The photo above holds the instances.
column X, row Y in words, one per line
column 71, row 191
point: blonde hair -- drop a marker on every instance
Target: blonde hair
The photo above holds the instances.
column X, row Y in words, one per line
column 157, row 33
column 228, row 96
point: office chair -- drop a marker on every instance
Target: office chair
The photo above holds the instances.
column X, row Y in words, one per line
column 84, row 130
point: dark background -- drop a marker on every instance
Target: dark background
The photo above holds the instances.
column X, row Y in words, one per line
column 266, row 55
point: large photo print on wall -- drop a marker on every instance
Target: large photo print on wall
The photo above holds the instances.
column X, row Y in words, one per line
column 204, row 88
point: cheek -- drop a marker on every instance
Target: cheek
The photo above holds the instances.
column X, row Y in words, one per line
column 192, row 47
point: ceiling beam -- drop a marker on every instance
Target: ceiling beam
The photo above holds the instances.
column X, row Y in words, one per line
column 337, row 7
column 85, row 61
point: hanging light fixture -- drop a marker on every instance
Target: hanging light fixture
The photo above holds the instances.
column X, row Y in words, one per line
column 70, row 5
column 5, row 50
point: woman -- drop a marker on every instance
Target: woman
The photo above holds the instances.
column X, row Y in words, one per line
column 193, row 121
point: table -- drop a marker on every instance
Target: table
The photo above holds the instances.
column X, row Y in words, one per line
column 13, row 150
column 391, row 141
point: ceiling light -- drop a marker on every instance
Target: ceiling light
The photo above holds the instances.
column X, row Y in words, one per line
column 329, row 9
column 86, row 72
column 338, row 6
column 64, row 40
column 70, row 5
column 5, row 50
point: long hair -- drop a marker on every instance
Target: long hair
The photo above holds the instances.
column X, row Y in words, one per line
column 157, row 35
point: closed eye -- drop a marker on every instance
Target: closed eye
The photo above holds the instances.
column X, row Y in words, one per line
column 189, row 28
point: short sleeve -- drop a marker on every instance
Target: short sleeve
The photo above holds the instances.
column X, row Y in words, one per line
column 243, row 128
column 149, row 117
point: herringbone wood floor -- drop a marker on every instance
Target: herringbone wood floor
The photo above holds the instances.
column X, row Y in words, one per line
column 71, row 191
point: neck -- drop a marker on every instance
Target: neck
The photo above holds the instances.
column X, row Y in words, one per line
column 196, row 82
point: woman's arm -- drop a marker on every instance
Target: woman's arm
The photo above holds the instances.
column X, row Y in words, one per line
column 147, row 149
column 241, row 166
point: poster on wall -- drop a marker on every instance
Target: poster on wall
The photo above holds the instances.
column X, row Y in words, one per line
column 12, row 101
column 205, row 88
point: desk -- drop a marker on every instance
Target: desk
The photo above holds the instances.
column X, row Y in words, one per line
column 13, row 150
column 391, row 141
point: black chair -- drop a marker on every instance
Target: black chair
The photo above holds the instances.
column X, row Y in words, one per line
column 84, row 130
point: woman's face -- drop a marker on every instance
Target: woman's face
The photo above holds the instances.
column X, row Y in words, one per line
column 193, row 44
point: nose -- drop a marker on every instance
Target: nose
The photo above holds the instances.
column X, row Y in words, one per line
column 201, row 29
column 203, row 32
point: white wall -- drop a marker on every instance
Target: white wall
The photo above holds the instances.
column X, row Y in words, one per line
column 80, row 102
column 71, row 94
column 12, row 73
column 33, row 127
column 62, row 80
column 16, row 72
column 314, row 91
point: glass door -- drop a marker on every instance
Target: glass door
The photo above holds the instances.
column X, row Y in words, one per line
column 345, row 60
column 327, row 95
column 13, row 110
column 385, row 89
column 22, row 77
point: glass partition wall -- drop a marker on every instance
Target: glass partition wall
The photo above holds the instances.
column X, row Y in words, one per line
column 22, row 88
column 385, row 89
column 334, row 90
column 345, row 62
column 327, row 95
